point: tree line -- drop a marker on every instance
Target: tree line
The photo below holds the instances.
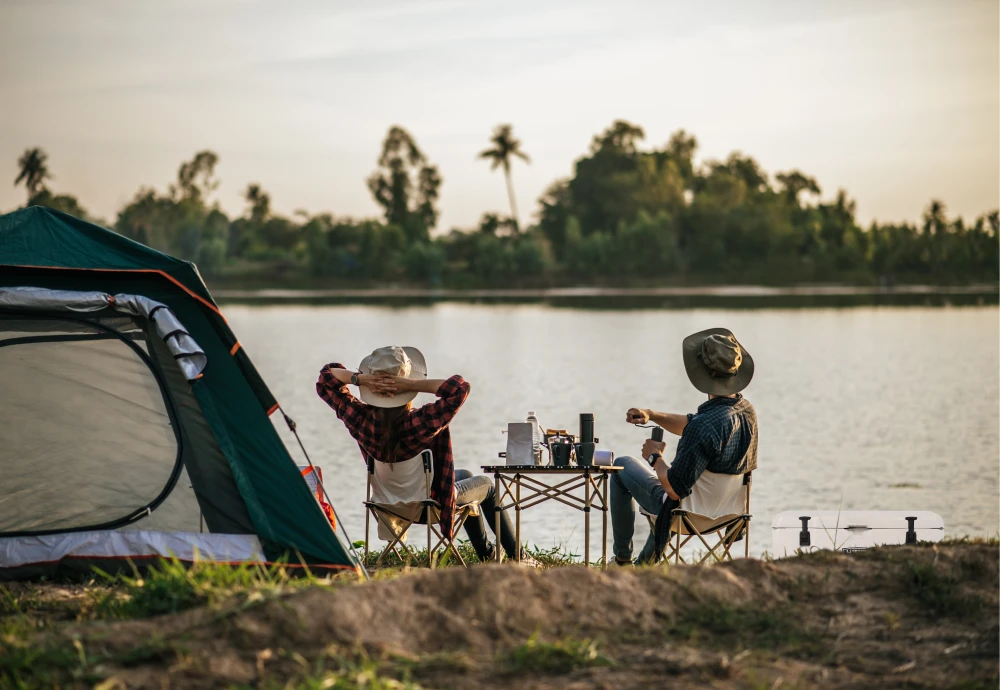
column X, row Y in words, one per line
column 627, row 215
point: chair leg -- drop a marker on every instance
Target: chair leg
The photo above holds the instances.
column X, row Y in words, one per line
column 430, row 551
column 396, row 543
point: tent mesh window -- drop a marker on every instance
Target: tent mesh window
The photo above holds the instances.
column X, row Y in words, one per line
column 88, row 435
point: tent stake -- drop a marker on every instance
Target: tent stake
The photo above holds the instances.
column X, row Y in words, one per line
column 292, row 427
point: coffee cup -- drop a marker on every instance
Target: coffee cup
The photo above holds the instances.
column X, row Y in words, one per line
column 585, row 454
column 560, row 453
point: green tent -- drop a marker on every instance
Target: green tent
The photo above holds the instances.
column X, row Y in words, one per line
column 131, row 420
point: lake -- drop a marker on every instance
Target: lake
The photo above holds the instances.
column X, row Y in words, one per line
column 866, row 408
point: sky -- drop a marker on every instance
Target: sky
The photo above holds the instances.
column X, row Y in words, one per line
column 897, row 102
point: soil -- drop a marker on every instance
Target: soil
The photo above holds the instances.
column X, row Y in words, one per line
column 918, row 617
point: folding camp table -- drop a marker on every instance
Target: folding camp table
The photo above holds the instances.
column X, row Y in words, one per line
column 522, row 486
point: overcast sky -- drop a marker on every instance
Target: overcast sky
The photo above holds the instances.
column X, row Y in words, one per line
column 895, row 101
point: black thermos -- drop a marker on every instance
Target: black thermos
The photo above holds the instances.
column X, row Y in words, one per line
column 586, row 427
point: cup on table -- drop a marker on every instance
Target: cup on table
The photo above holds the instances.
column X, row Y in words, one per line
column 585, row 454
column 560, row 453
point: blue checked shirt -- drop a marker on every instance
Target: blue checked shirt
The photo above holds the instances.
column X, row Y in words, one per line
column 721, row 437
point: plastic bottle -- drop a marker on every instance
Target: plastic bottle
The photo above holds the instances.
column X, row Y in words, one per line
column 536, row 438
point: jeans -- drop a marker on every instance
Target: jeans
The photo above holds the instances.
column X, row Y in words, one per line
column 635, row 483
column 481, row 488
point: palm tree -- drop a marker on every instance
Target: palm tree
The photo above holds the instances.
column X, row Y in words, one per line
column 505, row 146
column 34, row 172
column 260, row 203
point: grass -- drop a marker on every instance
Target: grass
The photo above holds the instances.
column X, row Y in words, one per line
column 940, row 591
column 554, row 557
column 170, row 586
column 719, row 623
column 562, row 656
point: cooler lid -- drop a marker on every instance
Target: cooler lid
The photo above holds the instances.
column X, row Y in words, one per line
column 871, row 519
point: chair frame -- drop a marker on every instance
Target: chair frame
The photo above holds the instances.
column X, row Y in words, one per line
column 431, row 508
column 728, row 533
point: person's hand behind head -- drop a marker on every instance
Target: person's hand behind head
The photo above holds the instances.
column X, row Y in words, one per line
column 637, row 415
column 379, row 383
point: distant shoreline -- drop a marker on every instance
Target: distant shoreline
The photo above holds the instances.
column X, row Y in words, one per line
column 721, row 291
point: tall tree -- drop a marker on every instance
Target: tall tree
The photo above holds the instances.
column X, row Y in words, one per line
column 34, row 171
column 259, row 201
column 196, row 177
column 794, row 183
column 406, row 185
column 505, row 146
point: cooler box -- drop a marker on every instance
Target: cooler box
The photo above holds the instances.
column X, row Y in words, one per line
column 850, row 531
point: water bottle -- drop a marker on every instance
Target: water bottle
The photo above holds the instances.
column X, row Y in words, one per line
column 536, row 439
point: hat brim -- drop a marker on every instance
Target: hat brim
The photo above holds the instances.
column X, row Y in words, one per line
column 701, row 378
column 418, row 371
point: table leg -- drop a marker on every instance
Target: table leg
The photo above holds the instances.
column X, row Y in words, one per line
column 586, row 518
column 517, row 517
column 604, row 519
column 496, row 519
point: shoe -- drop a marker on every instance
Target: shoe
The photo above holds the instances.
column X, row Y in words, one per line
column 491, row 556
column 622, row 563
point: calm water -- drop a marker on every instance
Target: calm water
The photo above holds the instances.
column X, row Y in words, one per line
column 852, row 403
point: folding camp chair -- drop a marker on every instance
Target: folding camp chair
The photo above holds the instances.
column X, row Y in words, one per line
column 719, row 505
column 397, row 507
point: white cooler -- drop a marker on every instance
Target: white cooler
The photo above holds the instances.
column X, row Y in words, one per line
column 850, row 531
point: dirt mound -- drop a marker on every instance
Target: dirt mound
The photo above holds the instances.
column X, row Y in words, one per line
column 915, row 616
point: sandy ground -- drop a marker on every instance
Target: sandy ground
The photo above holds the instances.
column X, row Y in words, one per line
column 916, row 617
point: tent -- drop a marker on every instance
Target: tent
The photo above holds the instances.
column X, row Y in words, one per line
column 132, row 423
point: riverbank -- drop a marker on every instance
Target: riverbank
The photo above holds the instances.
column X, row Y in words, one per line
column 633, row 297
column 922, row 616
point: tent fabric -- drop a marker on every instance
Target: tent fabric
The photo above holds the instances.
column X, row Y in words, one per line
column 81, row 408
column 47, row 249
column 185, row 350
column 37, row 554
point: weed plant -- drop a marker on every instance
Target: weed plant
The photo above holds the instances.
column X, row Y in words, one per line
column 562, row 656
column 170, row 586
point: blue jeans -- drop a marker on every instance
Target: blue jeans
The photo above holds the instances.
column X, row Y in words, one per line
column 481, row 488
column 635, row 483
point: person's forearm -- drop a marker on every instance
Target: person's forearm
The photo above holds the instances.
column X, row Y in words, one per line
column 426, row 386
column 342, row 375
column 674, row 423
column 661, row 474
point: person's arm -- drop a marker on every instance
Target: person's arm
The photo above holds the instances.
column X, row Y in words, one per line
column 332, row 387
column 432, row 417
column 674, row 423
column 432, row 386
column 661, row 470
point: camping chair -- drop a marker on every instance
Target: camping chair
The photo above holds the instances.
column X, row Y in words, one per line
column 719, row 505
column 396, row 506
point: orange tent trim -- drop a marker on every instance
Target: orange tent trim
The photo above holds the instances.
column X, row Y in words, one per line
column 133, row 270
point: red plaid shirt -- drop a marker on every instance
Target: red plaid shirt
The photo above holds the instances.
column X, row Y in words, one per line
column 423, row 428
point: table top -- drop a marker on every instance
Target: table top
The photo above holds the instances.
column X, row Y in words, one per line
column 548, row 469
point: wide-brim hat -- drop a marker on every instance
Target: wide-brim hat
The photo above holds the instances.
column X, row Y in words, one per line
column 716, row 363
column 407, row 362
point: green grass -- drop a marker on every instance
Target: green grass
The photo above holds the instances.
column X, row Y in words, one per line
column 940, row 591
column 719, row 623
column 554, row 557
column 562, row 656
column 170, row 586
column 338, row 672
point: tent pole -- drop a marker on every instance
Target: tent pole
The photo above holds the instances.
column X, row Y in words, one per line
column 292, row 426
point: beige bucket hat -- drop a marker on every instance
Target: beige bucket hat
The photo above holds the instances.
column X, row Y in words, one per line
column 407, row 362
column 716, row 363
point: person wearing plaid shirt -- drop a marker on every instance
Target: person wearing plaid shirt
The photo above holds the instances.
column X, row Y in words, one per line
column 720, row 438
column 388, row 429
